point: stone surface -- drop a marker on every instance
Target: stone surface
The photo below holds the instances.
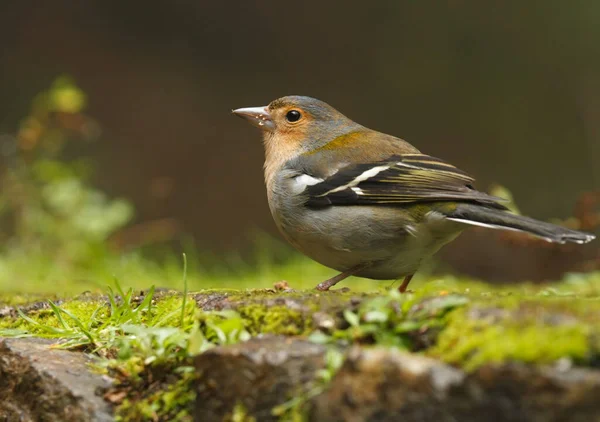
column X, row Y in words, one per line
column 379, row 384
column 258, row 374
column 305, row 302
column 38, row 383
column 386, row 385
column 374, row 384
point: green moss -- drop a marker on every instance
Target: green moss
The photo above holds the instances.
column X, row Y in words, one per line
column 239, row 414
column 21, row 299
column 45, row 317
column 160, row 402
column 540, row 331
column 464, row 323
column 274, row 320
column 305, row 297
column 287, row 313
column 168, row 310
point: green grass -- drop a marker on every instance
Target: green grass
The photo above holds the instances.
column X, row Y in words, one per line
column 38, row 275
column 145, row 343
column 23, row 274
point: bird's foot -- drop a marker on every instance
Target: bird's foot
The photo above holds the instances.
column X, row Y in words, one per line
column 327, row 284
column 403, row 287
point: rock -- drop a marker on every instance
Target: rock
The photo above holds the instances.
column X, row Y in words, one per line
column 304, row 302
column 283, row 313
column 259, row 374
column 381, row 385
column 42, row 384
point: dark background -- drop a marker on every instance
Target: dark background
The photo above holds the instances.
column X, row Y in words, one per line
column 508, row 91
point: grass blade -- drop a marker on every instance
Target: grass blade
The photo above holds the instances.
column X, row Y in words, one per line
column 185, row 290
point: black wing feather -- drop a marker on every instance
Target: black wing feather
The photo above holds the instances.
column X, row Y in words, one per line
column 399, row 180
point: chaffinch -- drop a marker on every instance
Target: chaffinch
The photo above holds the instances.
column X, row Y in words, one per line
column 366, row 203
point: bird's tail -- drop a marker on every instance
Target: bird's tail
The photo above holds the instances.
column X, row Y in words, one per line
column 478, row 215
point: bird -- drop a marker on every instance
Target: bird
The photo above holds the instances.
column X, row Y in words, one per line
column 366, row 203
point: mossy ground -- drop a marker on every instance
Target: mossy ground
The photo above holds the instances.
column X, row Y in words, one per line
column 540, row 331
column 463, row 322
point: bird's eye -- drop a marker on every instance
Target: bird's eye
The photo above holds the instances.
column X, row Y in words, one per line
column 293, row 116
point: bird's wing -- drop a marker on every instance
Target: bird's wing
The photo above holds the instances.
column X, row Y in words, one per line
column 400, row 179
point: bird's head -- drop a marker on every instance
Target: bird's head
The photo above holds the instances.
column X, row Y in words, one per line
column 297, row 123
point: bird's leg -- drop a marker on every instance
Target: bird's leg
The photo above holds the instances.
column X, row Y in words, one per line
column 329, row 283
column 404, row 285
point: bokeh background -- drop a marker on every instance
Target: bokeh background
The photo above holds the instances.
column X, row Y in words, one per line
column 508, row 91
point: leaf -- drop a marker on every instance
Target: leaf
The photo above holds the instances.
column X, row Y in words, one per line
column 437, row 306
column 319, row 337
column 375, row 316
column 351, row 317
column 407, row 326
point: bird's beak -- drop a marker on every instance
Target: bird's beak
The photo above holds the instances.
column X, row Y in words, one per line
column 258, row 116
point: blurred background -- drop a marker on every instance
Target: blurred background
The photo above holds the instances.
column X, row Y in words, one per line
column 507, row 91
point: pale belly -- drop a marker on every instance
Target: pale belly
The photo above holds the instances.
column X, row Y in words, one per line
column 344, row 237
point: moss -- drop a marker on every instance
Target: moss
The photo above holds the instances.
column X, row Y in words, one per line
column 284, row 313
column 298, row 414
column 168, row 310
column 305, row 297
column 160, row 402
column 289, row 312
column 464, row 323
column 274, row 320
column 483, row 324
column 239, row 414
column 539, row 330
column 8, row 324
column 21, row 299
column 83, row 310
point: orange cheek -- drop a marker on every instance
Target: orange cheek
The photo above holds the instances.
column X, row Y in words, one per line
column 291, row 136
